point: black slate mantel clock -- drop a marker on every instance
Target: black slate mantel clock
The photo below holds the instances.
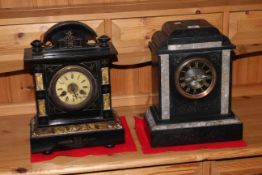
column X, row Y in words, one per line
column 192, row 85
column 72, row 88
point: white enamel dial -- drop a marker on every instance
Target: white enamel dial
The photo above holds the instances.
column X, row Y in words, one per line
column 72, row 87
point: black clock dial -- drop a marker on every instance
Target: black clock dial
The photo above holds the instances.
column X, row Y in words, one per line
column 195, row 78
column 72, row 87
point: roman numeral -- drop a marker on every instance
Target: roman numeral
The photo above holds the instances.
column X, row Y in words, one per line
column 196, row 63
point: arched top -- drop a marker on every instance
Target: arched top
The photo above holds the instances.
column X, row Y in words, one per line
column 69, row 34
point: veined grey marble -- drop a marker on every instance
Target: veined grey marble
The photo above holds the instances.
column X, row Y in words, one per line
column 195, row 45
column 150, row 120
column 165, row 91
column 225, row 79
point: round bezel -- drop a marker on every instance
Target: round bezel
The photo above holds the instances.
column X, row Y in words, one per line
column 204, row 82
column 72, row 68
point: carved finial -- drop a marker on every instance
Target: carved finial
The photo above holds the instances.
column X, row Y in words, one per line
column 103, row 41
column 37, row 46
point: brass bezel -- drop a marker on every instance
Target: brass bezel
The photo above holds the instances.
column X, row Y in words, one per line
column 59, row 73
column 204, row 93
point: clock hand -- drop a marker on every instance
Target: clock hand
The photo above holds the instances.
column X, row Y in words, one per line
column 189, row 79
column 75, row 94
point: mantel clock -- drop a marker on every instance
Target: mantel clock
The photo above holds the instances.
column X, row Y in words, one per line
column 192, row 85
column 72, row 88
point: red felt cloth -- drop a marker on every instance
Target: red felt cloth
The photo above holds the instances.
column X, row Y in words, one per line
column 141, row 131
column 128, row 146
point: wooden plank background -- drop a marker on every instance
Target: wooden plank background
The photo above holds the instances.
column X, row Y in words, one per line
column 54, row 3
column 131, row 85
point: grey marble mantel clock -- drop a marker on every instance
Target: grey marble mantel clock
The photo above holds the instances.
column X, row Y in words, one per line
column 192, row 86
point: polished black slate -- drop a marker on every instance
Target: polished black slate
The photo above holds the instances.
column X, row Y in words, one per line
column 196, row 135
column 182, row 109
column 72, row 43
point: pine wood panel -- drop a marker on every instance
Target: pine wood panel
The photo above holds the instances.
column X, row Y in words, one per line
column 185, row 169
column 4, row 85
column 21, row 87
column 77, row 2
column 50, row 3
column 131, row 82
column 55, row 3
column 82, row 2
column 14, row 147
column 14, row 39
column 245, row 30
column 16, row 3
column 249, row 166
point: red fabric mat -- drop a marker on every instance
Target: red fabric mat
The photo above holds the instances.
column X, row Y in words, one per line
column 140, row 127
column 128, row 146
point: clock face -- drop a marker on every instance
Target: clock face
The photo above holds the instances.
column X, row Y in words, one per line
column 195, row 78
column 72, row 87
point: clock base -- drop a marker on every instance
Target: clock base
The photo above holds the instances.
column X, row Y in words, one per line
column 174, row 134
column 105, row 133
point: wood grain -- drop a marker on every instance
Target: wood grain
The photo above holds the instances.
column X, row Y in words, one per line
column 188, row 169
column 249, row 166
column 20, row 109
column 125, row 10
column 245, row 32
column 16, row 3
column 4, row 85
column 50, row 3
column 14, row 148
column 22, row 88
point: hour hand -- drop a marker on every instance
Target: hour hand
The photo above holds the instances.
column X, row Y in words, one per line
column 188, row 79
column 75, row 94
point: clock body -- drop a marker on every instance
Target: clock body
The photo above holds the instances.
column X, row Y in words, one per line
column 195, row 86
column 71, row 76
column 191, row 84
column 71, row 69
column 72, row 87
